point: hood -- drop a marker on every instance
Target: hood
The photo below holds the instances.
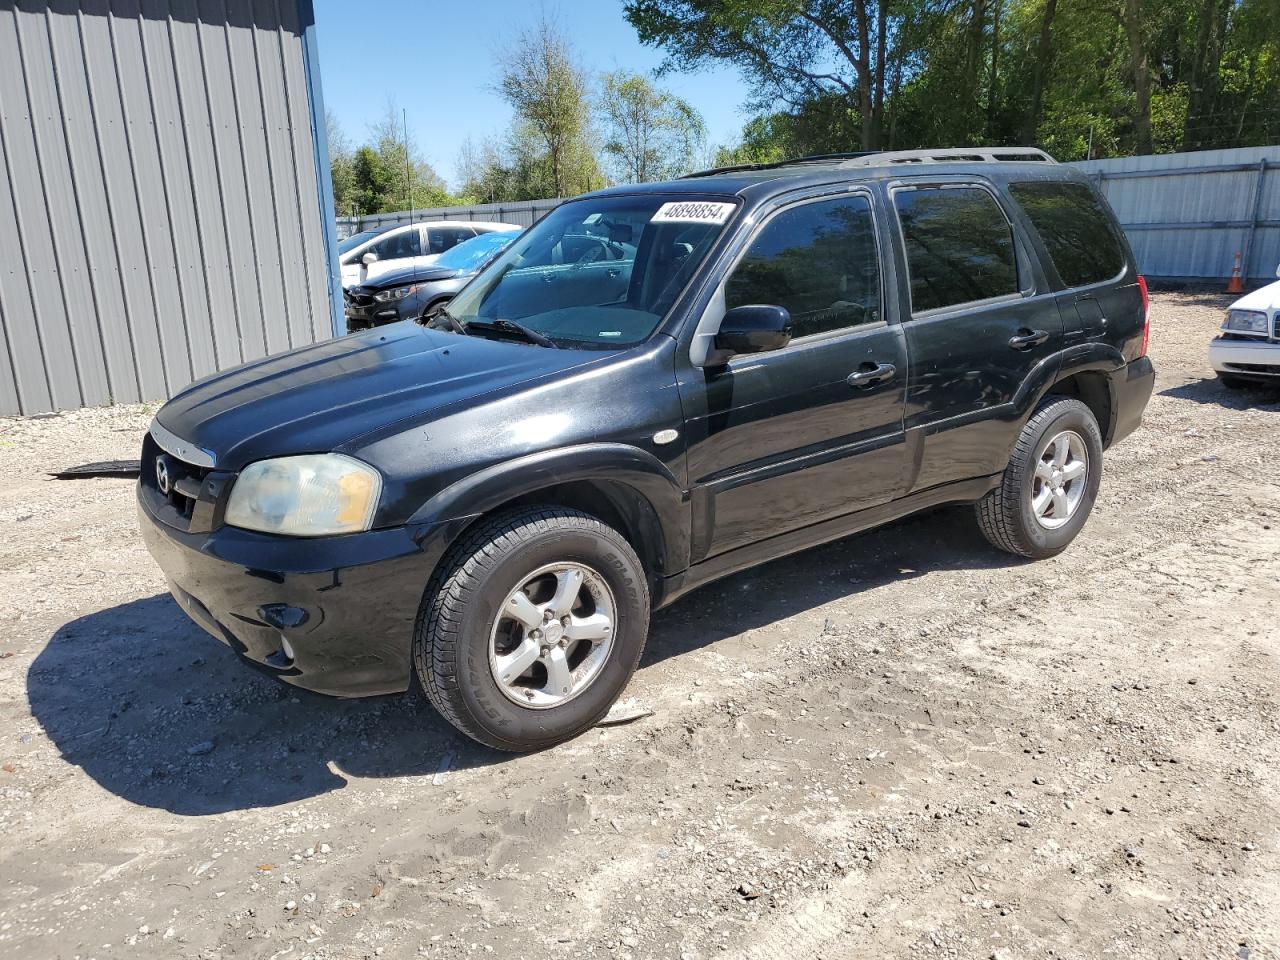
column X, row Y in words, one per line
column 317, row 398
column 406, row 275
column 1264, row 299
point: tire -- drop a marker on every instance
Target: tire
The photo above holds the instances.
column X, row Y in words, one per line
column 1007, row 515
column 431, row 308
column 463, row 627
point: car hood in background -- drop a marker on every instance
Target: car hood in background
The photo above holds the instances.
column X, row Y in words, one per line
column 1264, row 299
column 401, row 277
column 317, row 398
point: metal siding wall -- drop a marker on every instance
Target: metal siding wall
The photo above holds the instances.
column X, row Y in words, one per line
column 159, row 214
column 1189, row 225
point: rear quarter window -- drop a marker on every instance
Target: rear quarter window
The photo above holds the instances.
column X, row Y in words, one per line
column 959, row 246
column 1076, row 227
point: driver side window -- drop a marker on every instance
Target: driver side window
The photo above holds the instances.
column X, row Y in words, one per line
column 817, row 259
column 398, row 246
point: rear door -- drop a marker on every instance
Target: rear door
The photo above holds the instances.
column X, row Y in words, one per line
column 981, row 320
column 1084, row 248
column 782, row 440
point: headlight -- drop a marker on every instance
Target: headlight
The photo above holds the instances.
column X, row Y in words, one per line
column 307, row 496
column 396, row 293
column 1246, row 321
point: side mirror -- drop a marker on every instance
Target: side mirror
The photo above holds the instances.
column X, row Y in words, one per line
column 752, row 328
column 369, row 259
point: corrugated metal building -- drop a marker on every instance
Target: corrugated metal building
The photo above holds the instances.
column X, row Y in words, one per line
column 1187, row 214
column 163, row 214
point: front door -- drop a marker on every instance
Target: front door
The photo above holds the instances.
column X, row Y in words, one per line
column 782, row 440
column 981, row 319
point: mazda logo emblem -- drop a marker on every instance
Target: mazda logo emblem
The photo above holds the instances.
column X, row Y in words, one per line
column 162, row 475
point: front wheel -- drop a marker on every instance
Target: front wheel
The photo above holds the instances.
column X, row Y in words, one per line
column 1050, row 483
column 532, row 627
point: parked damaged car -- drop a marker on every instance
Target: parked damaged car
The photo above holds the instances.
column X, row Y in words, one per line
column 414, row 292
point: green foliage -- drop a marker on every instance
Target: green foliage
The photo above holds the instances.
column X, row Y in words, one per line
column 552, row 142
column 650, row 134
column 1122, row 75
column 383, row 175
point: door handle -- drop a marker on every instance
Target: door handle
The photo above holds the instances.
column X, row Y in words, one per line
column 1026, row 339
column 870, row 374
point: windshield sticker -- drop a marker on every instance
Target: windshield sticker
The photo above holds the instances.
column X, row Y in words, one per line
column 693, row 212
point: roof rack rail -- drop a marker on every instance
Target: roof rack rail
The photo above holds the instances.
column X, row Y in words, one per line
column 875, row 158
column 776, row 164
column 952, row 154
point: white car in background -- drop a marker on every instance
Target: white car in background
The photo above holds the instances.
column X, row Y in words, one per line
column 1248, row 349
column 411, row 243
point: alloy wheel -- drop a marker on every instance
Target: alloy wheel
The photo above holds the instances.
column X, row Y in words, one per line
column 552, row 635
column 1062, row 474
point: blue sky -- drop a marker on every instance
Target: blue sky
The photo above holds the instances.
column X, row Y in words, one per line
column 438, row 58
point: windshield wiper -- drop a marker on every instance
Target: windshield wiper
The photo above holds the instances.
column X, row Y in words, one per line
column 454, row 325
column 512, row 326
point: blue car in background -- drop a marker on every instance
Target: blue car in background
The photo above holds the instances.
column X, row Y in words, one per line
column 413, row 292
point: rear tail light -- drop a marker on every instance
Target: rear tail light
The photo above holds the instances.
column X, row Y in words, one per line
column 1146, row 315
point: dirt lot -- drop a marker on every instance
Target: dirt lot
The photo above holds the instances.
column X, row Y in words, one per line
column 901, row 745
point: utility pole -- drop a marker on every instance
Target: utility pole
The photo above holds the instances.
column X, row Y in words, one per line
column 408, row 176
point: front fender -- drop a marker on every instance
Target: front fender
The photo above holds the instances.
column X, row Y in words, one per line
column 615, row 463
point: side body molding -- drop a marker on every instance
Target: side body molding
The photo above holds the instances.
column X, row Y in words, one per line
column 661, row 503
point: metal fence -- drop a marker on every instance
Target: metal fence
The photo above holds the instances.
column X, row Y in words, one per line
column 521, row 212
column 161, row 216
column 1187, row 215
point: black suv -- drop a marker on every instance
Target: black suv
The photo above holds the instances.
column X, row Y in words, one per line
column 754, row 360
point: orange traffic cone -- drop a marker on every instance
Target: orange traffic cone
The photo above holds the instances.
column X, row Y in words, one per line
column 1236, row 285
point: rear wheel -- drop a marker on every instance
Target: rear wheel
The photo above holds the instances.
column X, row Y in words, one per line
column 1050, row 483
column 532, row 627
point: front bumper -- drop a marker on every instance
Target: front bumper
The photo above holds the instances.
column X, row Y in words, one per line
column 1258, row 361
column 1132, row 393
column 373, row 315
column 333, row 614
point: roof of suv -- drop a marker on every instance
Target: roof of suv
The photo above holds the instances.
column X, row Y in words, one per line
column 768, row 178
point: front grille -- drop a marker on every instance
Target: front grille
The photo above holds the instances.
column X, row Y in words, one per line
column 189, row 503
column 358, row 299
column 1275, row 326
column 1272, row 369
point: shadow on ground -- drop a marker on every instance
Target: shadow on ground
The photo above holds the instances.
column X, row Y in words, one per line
column 162, row 715
column 1210, row 390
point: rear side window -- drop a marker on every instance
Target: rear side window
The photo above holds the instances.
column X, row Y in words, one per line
column 959, row 246
column 440, row 239
column 818, row 260
column 397, row 246
column 1076, row 228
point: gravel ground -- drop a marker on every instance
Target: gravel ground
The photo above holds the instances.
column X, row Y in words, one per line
column 901, row 745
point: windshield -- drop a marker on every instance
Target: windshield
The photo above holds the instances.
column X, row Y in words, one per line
column 597, row 272
column 471, row 254
column 353, row 241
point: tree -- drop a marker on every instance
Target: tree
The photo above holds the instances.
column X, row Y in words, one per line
column 793, row 51
column 1127, row 76
column 384, row 175
column 1134, row 23
column 547, row 88
column 650, row 134
column 341, row 171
